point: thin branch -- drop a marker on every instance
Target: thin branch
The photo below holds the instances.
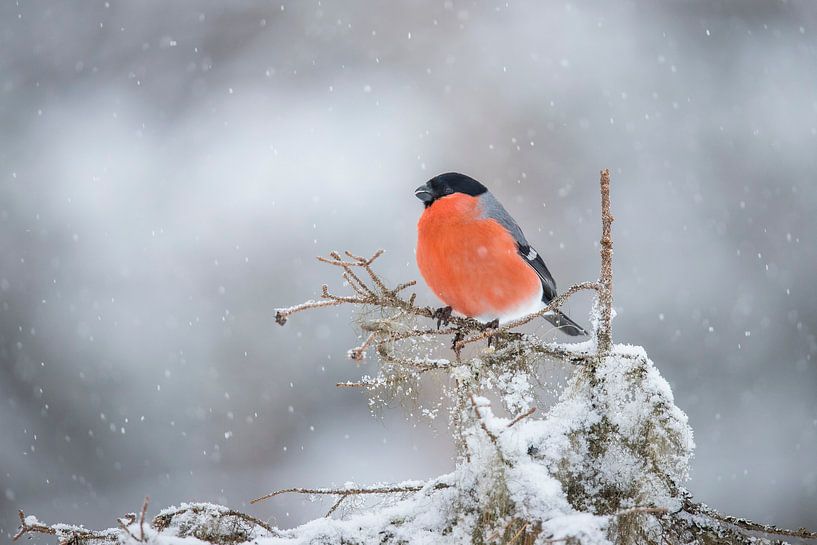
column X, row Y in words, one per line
column 522, row 416
column 123, row 525
column 65, row 534
column 404, row 285
column 360, row 288
column 142, row 518
column 559, row 352
column 399, row 489
column 380, row 380
column 748, row 525
column 605, row 300
column 357, row 353
column 419, row 364
column 336, row 505
column 36, row 527
column 366, row 264
column 282, row 314
column 349, row 275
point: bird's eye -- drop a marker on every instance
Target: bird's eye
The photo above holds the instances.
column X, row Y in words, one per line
column 448, row 191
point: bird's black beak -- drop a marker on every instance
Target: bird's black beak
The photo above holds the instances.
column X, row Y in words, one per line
column 424, row 194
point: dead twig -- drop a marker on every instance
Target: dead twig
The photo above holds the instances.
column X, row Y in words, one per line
column 748, row 525
column 34, row 527
column 123, row 524
column 357, row 353
column 336, row 505
column 522, row 416
column 65, row 534
column 420, row 364
column 282, row 314
column 605, row 297
column 404, row 285
column 399, row 489
column 142, row 518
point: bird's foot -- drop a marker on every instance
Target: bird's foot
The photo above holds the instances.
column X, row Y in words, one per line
column 458, row 336
column 443, row 316
column 493, row 324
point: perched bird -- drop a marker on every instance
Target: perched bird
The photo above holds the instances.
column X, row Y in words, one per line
column 475, row 258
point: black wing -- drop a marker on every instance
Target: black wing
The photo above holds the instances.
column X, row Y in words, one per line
column 533, row 259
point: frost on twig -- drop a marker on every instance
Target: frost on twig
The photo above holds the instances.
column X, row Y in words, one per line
column 605, row 464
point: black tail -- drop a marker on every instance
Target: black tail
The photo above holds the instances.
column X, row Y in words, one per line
column 565, row 324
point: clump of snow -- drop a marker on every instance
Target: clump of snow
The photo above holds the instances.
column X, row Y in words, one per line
column 516, row 391
column 31, row 520
column 209, row 523
column 616, row 438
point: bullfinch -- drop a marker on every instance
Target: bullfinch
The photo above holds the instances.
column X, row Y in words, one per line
column 475, row 258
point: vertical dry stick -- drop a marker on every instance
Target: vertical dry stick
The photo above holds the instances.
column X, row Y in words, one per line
column 142, row 518
column 606, row 280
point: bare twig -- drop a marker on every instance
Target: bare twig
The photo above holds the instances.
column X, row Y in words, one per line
column 748, row 525
column 336, row 505
column 36, row 528
column 522, row 416
column 65, row 534
column 142, row 518
column 357, row 353
column 419, row 364
column 404, row 285
column 123, row 524
column 399, row 489
column 559, row 352
column 282, row 314
column 353, row 279
column 605, row 300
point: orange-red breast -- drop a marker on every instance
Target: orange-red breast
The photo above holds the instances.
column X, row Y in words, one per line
column 475, row 258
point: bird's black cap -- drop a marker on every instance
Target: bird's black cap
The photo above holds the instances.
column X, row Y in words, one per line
column 446, row 184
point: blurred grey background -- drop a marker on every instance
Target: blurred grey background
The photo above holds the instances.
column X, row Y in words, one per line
column 168, row 171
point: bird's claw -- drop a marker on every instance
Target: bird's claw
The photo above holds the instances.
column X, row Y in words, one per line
column 458, row 336
column 443, row 316
column 493, row 324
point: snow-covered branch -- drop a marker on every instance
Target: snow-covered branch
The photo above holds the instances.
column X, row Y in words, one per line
column 605, row 464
